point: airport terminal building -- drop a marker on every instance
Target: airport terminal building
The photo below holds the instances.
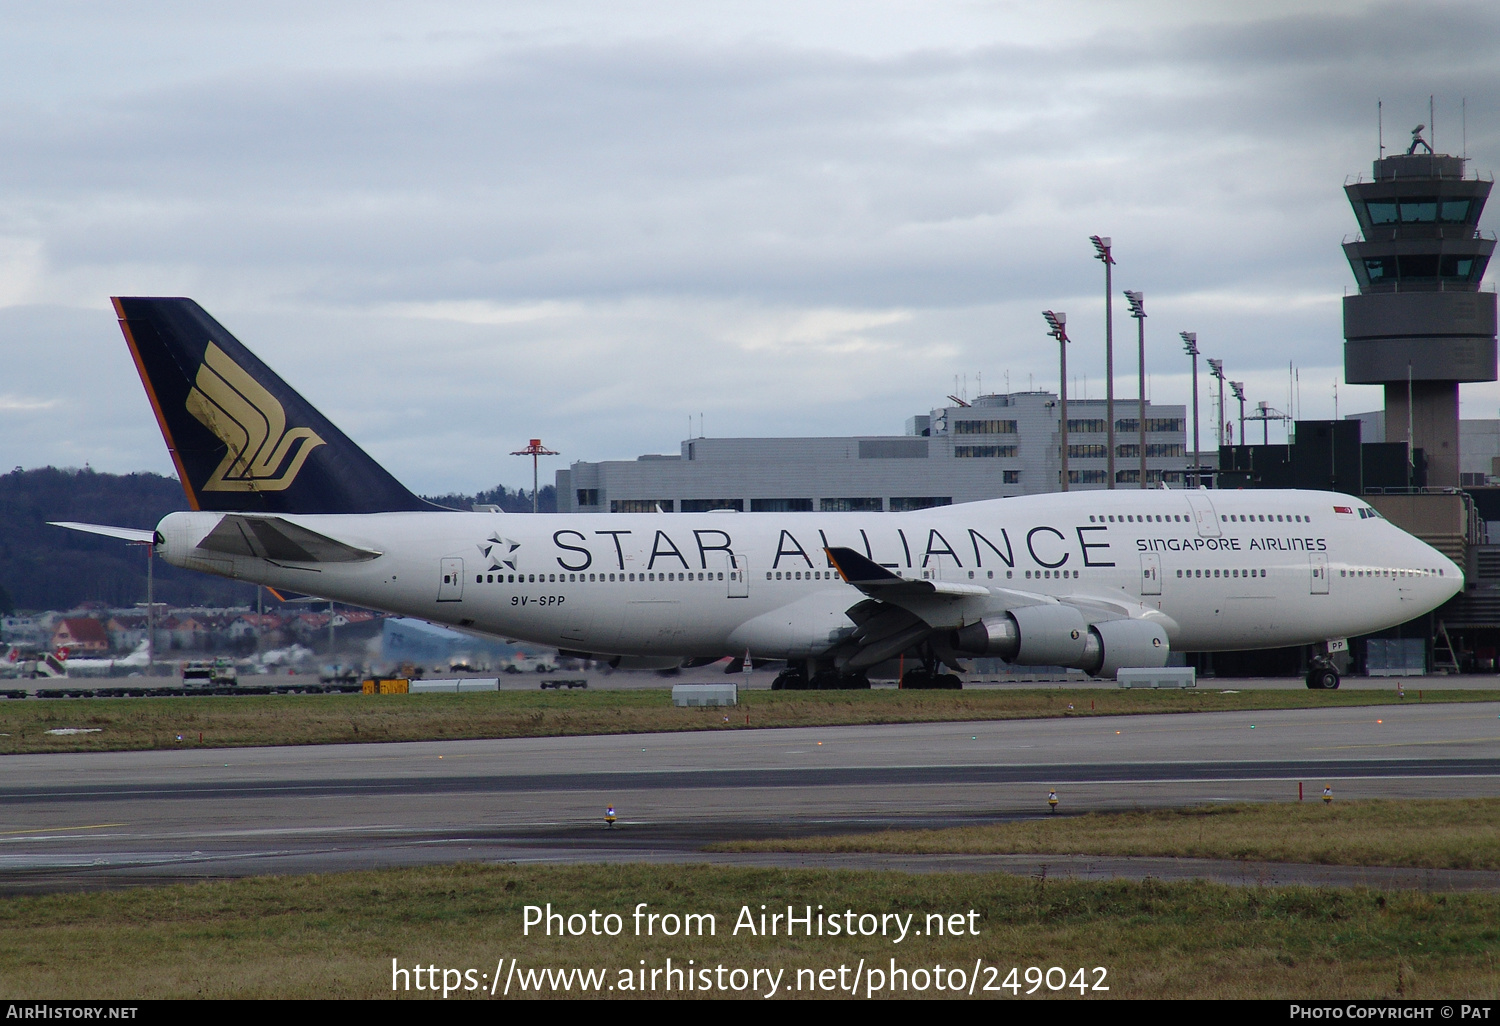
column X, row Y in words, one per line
column 997, row 446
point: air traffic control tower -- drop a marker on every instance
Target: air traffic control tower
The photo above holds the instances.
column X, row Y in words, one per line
column 1419, row 325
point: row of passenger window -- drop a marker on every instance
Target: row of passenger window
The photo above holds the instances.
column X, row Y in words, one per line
column 872, row 504
column 1390, row 573
column 1220, row 573
column 596, row 578
column 1178, row 518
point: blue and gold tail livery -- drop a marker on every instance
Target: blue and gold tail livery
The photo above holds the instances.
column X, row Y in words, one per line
column 242, row 439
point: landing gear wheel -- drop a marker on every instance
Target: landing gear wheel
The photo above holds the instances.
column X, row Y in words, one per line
column 916, row 680
column 789, row 680
column 949, row 682
column 826, row 680
column 1323, row 679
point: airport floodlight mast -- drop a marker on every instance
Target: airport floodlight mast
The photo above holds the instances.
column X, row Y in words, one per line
column 1101, row 247
column 1190, row 346
column 1238, row 388
column 1137, row 303
column 1265, row 415
column 150, row 547
column 534, row 450
column 1057, row 324
column 1216, row 369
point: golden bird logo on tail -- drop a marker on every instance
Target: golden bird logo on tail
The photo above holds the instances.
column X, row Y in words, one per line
column 263, row 455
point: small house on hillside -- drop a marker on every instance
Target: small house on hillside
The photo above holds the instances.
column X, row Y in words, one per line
column 80, row 636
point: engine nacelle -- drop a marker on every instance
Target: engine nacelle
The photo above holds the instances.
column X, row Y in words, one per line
column 1059, row 636
column 1118, row 643
column 1051, row 635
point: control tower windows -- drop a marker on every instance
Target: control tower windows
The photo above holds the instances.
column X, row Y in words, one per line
column 1387, row 270
column 1455, row 211
column 1464, row 267
column 1417, row 265
column 1418, row 210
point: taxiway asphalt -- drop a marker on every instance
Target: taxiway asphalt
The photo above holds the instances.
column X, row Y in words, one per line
column 89, row 820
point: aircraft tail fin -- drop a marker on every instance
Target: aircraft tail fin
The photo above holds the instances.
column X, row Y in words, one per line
column 242, row 439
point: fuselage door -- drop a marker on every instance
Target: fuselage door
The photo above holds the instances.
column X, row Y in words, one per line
column 1318, row 567
column 739, row 576
column 451, row 587
column 1150, row 573
column 1204, row 515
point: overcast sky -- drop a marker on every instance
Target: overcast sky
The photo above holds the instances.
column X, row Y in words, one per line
column 454, row 227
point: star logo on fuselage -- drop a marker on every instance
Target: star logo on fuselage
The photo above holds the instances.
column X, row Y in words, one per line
column 501, row 552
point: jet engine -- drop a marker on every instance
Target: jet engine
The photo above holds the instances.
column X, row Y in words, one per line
column 1058, row 635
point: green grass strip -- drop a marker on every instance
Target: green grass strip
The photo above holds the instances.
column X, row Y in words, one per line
column 1458, row 833
column 125, row 724
column 335, row 936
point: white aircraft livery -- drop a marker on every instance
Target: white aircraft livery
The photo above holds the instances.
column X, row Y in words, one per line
column 1093, row 580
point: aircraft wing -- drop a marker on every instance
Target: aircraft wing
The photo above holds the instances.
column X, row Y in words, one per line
column 879, row 583
column 278, row 540
column 899, row 612
column 130, row 534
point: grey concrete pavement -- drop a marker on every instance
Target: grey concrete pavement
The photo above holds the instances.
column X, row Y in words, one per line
column 101, row 819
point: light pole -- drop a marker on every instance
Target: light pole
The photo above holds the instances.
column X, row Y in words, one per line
column 1057, row 328
column 1238, row 388
column 1190, row 346
column 534, row 450
column 1216, row 369
column 150, row 607
column 1137, row 303
column 1101, row 247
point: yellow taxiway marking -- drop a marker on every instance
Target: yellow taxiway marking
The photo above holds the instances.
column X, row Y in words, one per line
column 58, row 830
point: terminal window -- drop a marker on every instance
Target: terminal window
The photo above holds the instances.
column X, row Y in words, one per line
column 1098, row 424
column 781, row 505
column 905, row 503
column 983, row 451
column 639, row 505
column 1088, row 477
column 983, row 427
column 588, row 496
column 704, row 505
column 1087, row 452
column 850, row 505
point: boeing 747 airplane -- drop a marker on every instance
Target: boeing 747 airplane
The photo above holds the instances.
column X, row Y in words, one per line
column 1093, row 580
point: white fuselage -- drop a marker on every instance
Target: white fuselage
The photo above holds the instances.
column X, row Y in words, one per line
column 1219, row 570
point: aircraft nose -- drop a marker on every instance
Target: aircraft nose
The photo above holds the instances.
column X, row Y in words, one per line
column 1450, row 580
column 1454, row 574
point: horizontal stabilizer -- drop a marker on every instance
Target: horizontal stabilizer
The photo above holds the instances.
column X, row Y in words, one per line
column 279, row 540
column 130, row 534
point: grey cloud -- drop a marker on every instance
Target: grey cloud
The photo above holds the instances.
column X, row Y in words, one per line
column 672, row 186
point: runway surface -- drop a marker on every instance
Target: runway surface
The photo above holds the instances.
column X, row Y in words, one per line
column 111, row 819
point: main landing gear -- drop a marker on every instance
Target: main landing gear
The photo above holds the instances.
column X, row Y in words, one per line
column 1322, row 676
column 930, row 676
column 795, row 678
column 928, row 680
